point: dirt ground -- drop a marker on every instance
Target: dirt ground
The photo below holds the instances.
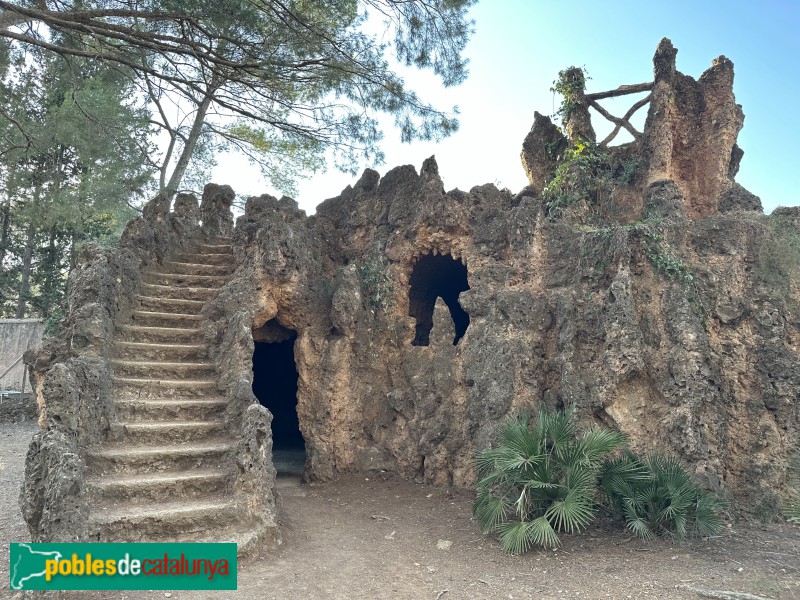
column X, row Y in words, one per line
column 373, row 537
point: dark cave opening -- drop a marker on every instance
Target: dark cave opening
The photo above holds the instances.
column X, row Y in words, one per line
column 437, row 276
column 275, row 385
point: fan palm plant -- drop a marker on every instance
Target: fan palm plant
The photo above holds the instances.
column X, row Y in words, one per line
column 540, row 480
column 656, row 496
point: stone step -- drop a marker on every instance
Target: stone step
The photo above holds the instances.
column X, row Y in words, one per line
column 192, row 268
column 184, row 280
column 128, row 459
column 157, row 409
column 179, row 305
column 173, row 292
column 168, row 352
column 148, row 318
column 136, row 387
column 211, row 258
column 162, row 370
column 138, row 333
column 162, row 431
column 212, row 248
column 164, row 486
column 162, row 521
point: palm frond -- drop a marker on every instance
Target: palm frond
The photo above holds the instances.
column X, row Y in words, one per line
column 560, row 430
column 515, row 537
column 707, row 514
column 572, row 514
column 542, row 534
column 640, row 529
column 490, row 511
column 597, row 443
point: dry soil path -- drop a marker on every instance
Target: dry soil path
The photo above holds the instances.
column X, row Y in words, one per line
column 377, row 537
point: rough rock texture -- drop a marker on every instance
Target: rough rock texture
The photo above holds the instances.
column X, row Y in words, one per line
column 540, row 148
column 72, row 374
column 558, row 314
column 691, row 130
column 215, row 210
column 738, row 198
column 647, row 308
column 658, row 325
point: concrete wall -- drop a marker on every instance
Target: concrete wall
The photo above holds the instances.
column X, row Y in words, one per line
column 17, row 336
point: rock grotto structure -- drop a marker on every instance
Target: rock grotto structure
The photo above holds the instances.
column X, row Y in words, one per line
column 411, row 320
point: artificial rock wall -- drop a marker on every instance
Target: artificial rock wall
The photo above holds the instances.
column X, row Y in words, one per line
column 648, row 310
column 563, row 310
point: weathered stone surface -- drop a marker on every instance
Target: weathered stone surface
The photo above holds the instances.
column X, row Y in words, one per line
column 71, row 373
column 737, row 199
column 215, row 209
column 540, row 150
column 691, row 129
column 663, row 199
column 53, row 494
column 653, row 319
column 558, row 315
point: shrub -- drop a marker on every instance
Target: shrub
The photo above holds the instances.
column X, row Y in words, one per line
column 588, row 172
column 540, row 480
column 656, row 496
column 544, row 478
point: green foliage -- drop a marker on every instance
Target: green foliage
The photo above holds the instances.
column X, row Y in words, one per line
column 52, row 324
column 570, row 85
column 375, row 282
column 73, row 154
column 792, row 511
column 656, row 496
column 544, row 478
column 588, row 172
column 286, row 84
column 665, row 261
column 540, row 480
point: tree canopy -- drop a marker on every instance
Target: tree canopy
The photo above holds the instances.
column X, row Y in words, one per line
column 73, row 150
column 284, row 81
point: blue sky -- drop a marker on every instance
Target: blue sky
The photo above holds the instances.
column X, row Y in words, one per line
column 520, row 45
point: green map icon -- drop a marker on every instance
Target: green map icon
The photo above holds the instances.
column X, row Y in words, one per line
column 27, row 564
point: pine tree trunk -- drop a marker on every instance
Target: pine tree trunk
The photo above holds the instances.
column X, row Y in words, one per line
column 189, row 146
column 25, row 282
column 5, row 226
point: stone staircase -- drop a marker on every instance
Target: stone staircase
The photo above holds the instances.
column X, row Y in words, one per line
column 166, row 471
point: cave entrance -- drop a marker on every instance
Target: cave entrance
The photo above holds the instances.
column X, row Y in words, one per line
column 275, row 386
column 437, row 276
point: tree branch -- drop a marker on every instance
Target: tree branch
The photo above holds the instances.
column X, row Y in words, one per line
column 622, row 91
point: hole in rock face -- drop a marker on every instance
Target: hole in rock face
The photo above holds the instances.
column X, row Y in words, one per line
column 437, row 276
column 275, row 386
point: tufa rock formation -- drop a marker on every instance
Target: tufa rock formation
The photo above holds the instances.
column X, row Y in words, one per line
column 653, row 303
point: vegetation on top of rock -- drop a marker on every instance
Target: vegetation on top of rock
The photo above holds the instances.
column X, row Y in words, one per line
column 570, row 84
column 590, row 173
column 546, row 477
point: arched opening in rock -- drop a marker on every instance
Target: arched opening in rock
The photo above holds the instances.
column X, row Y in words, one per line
column 275, row 386
column 437, row 276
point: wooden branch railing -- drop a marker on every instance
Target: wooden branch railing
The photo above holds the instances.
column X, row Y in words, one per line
column 619, row 123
